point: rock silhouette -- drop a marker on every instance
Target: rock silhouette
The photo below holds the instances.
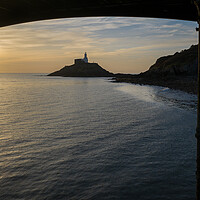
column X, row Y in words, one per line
column 82, row 69
column 178, row 71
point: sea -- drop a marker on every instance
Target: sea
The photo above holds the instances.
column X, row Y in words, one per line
column 93, row 139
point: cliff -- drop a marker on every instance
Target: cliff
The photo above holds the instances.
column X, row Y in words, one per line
column 82, row 70
column 178, row 71
column 182, row 63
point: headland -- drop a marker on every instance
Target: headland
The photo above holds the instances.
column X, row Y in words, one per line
column 178, row 71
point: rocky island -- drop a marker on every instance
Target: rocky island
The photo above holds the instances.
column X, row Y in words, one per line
column 82, row 68
column 178, row 71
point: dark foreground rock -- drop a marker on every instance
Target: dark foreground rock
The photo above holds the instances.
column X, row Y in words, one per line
column 178, row 71
column 183, row 63
column 83, row 70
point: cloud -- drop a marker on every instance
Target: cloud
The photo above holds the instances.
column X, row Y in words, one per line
column 108, row 37
column 171, row 26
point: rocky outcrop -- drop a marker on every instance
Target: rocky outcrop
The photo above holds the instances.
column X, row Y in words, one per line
column 182, row 63
column 186, row 84
column 178, row 71
column 83, row 70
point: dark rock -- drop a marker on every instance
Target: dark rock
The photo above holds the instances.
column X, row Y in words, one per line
column 182, row 63
column 178, row 71
column 83, row 70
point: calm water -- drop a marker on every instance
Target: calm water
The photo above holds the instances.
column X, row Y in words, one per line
column 89, row 138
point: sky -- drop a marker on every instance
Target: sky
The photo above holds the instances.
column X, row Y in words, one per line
column 118, row 44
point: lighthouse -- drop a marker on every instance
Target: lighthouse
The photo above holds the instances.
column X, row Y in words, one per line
column 85, row 59
column 81, row 60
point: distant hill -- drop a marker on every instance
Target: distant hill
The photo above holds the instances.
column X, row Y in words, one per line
column 183, row 63
column 82, row 69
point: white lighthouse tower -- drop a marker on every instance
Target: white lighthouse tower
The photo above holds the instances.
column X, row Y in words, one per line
column 81, row 60
column 85, row 59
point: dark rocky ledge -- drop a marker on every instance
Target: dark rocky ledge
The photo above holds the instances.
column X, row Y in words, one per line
column 186, row 84
column 178, row 71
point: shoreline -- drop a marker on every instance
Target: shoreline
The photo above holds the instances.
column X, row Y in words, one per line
column 186, row 84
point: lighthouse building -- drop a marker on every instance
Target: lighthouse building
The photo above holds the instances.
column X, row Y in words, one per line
column 81, row 60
